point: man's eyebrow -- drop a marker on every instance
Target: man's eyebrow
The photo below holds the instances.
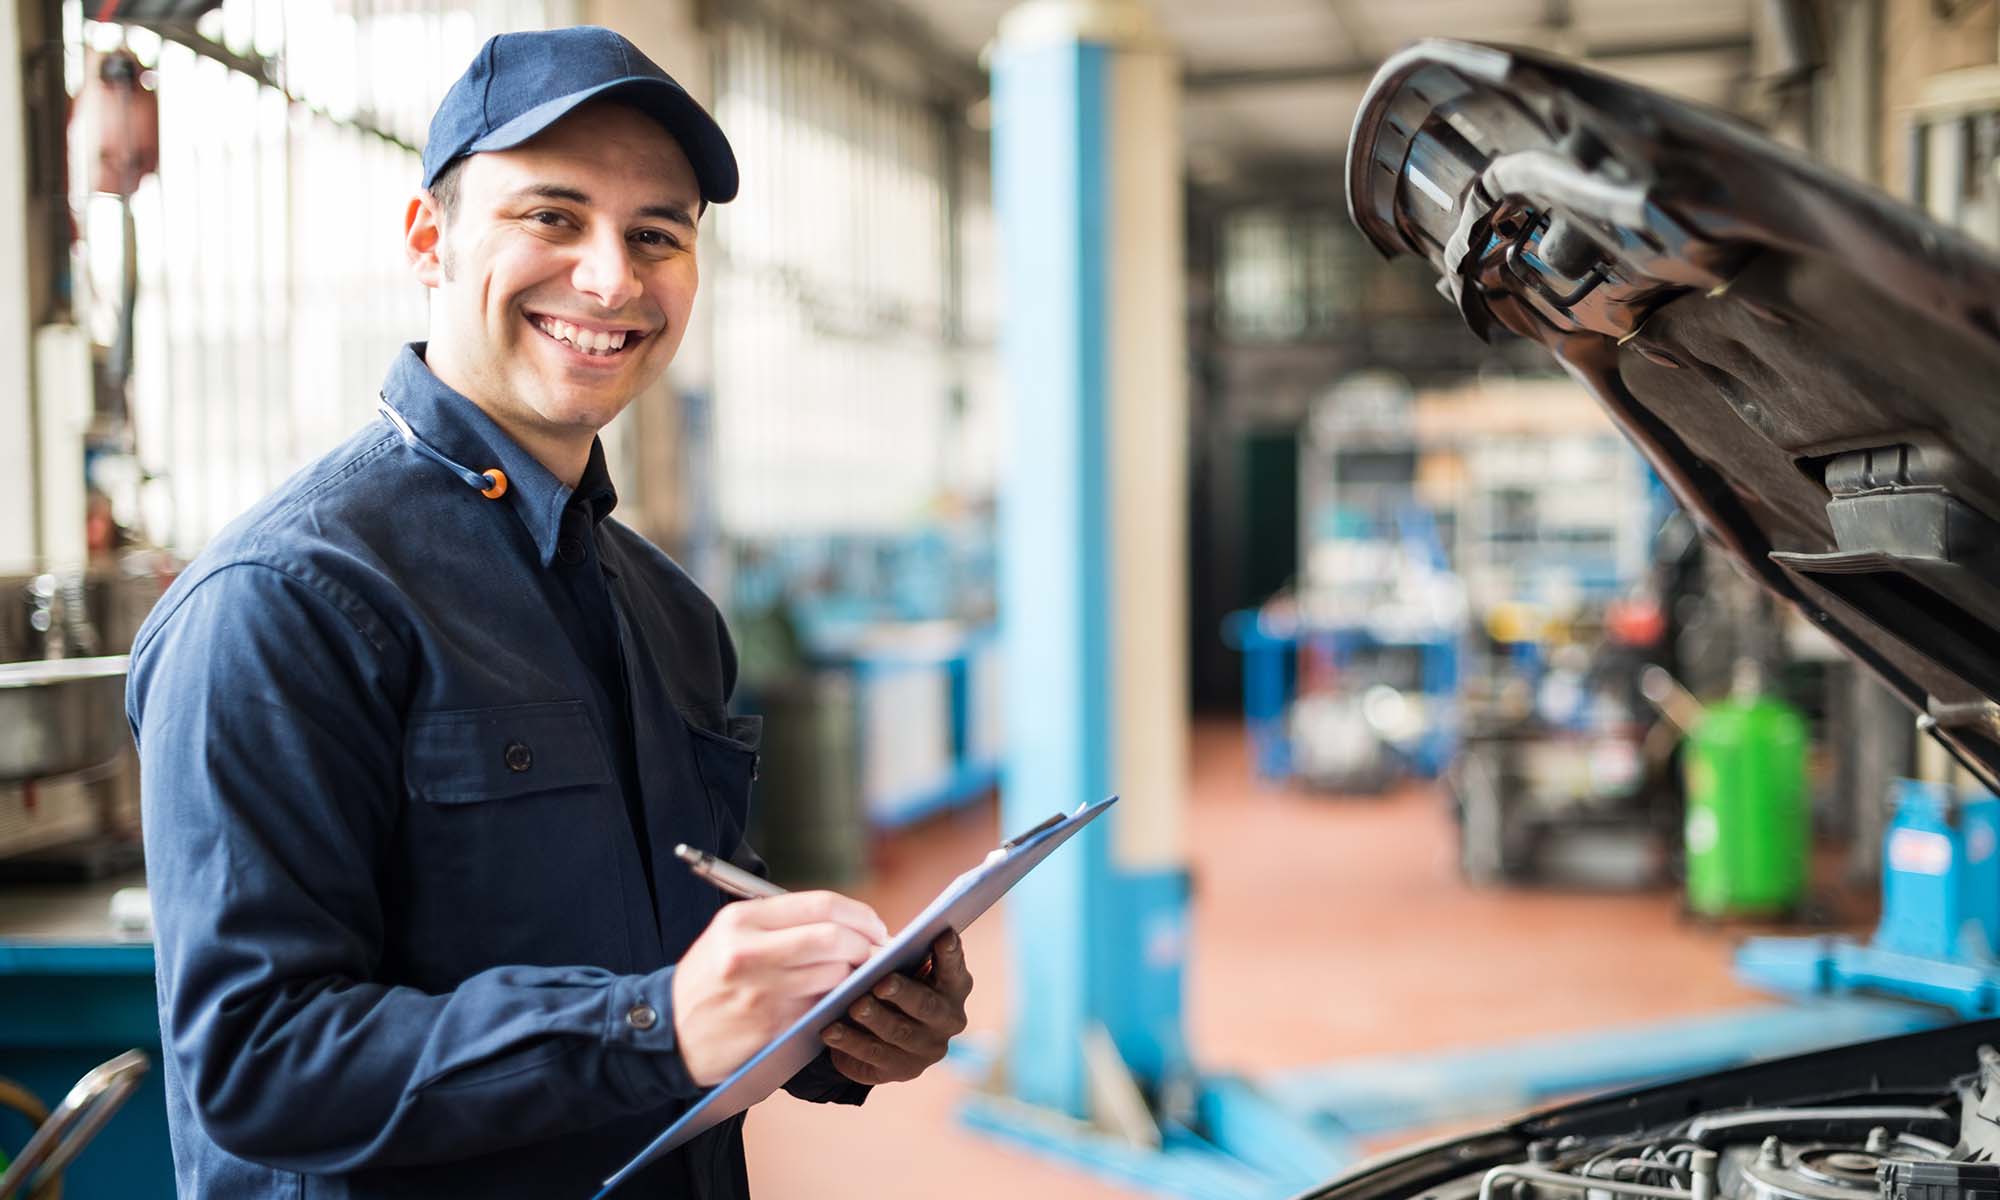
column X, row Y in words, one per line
column 551, row 191
column 668, row 212
column 676, row 213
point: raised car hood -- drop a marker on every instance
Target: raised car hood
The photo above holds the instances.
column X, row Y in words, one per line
column 1813, row 367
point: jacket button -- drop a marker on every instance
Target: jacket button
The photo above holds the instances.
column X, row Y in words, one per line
column 570, row 550
column 519, row 758
column 642, row 1017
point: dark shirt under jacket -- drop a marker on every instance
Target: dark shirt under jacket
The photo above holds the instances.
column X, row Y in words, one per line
column 414, row 762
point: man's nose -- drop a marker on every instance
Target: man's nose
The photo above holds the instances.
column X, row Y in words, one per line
column 604, row 270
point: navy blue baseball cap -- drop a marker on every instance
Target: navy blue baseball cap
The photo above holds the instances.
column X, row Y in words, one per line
column 521, row 83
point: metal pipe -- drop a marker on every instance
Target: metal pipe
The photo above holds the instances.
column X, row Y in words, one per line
column 1703, row 1162
column 264, row 72
column 1637, row 1167
column 76, row 1120
column 1522, row 1172
column 1674, row 701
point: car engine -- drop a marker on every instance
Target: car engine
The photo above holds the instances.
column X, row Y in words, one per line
column 1870, row 1150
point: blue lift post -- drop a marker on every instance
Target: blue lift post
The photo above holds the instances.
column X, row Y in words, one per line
column 1093, row 566
column 1093, row 583
column 1091, row 552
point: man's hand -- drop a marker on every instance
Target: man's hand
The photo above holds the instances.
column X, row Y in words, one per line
column 758, row 967
column 904, row 1027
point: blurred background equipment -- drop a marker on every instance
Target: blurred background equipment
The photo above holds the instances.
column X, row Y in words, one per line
column 1565, row 775
column 68, row 785
column 1351, row 672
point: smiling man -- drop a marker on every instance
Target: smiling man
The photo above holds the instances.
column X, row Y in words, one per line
column 420, row 731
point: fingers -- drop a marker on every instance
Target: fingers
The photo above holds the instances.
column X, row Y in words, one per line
column 855, row 1069
column 950, row 975
column 817, row 980
column 903, row 1026
column 865, row 1058
column 810, row 945
column 892, row 1026
column 925, row 1005
column 811, row 908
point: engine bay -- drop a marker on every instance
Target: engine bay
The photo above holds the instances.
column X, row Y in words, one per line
column 1877, row 1147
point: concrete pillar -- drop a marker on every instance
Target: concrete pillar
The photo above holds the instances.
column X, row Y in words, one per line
column 19, row 517
column 1088, row 198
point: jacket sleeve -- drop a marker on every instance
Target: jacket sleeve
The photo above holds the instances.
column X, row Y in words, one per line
column 266, row 712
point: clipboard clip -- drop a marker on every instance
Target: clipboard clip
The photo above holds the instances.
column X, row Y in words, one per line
column 1051, row 823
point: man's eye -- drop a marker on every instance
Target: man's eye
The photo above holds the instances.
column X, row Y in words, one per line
column 548, row 218
column 655, row 239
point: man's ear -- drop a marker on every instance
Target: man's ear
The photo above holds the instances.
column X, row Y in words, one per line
column 423, row 238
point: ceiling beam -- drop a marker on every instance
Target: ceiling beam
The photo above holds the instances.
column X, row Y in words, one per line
column 1359, row 72
column 842, row 27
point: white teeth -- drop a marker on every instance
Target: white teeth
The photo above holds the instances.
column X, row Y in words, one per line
column 589, row 341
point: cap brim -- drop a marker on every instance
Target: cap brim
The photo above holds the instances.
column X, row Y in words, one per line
column 700, row 137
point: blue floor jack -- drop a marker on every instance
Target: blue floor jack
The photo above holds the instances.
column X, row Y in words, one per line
column 1940, row 914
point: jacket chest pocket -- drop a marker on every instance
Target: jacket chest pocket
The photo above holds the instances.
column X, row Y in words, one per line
column 727, row 763
column 511, row 838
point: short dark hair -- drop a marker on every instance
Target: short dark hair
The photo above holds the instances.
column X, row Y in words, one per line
column 444, row 189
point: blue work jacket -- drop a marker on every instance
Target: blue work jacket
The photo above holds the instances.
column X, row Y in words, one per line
column 400, row 744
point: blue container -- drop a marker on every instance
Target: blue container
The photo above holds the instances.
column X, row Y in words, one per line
column 65, row 1009
column 1941, row 875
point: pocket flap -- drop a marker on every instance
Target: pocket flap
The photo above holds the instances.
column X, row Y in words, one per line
column 470, row 755
column 737, row 733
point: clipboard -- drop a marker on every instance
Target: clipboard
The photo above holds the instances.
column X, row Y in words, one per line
column 958, row 906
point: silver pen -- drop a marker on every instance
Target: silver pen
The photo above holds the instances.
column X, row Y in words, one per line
column 725, row 875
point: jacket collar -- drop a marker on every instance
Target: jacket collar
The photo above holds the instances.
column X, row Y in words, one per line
column 457, row 428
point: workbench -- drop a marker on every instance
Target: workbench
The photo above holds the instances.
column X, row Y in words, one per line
column 73, row 994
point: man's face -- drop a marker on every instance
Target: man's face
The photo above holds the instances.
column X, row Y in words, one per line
column 565, row 273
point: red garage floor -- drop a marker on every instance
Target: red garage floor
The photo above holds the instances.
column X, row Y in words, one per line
column 1322, row 928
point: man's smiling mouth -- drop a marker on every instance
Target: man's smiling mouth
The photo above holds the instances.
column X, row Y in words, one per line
column 597, row 343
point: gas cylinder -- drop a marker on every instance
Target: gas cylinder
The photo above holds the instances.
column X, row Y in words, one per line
column 1748, row 828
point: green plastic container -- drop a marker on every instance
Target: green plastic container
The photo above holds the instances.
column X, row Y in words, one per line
column 1747, row 825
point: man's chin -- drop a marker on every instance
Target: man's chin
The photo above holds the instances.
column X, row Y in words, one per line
column 567, row 406
column 605, row 396
column 580, row 416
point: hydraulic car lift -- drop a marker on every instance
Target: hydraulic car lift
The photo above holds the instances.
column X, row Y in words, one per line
column 1940, row 923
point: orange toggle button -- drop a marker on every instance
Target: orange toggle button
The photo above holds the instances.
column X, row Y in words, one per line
column 499, row 479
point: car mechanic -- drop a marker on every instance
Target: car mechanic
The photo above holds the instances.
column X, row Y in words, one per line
column 420, row 731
